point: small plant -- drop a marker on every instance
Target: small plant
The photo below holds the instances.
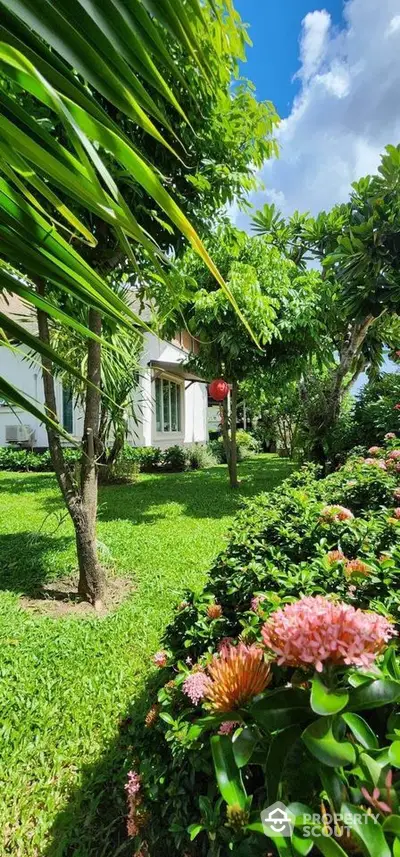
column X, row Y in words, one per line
column 175, row 458
column 200, row 456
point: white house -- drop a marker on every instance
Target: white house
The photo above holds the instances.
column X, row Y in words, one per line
column 172, row 405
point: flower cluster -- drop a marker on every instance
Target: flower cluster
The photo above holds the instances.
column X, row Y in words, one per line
column 160, row 659
column 356, row 566
column 378, row 462
column 256, row 601
column 195, row 686
column 396, row 513
column 314, row 631
column 335, row 556
column 390, row 435
column 133, row 784
column 237, row 674
column 228, row 726
column 336, row 513
column 214, row 611
column 374, row 450
column 394, row 455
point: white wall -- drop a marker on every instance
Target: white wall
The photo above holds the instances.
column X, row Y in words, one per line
column 26, row 376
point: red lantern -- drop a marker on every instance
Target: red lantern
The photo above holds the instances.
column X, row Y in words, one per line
column 218, row 390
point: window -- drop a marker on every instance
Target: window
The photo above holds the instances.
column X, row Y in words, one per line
column 67, row 410
column 168, row 406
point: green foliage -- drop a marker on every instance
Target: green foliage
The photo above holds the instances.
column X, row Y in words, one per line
column 130, row 461
column 279, row 549
column 68, row 684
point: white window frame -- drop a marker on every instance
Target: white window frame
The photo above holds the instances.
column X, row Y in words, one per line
column 168, row 433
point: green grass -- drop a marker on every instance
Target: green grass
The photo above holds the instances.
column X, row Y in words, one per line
column 67, row 685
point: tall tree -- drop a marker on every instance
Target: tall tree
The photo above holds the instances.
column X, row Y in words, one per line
column 358, row 247
column 280, row 303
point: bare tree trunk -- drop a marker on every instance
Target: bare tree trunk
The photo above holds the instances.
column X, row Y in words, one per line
column 91, row 575
column 225, row 434
column 81, row 503
column 233, row 467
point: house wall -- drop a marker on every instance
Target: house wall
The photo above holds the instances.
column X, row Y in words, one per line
column 26, row 376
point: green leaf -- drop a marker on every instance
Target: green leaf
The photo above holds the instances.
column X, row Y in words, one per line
column 391, row 824
column 279, row 747
column 328, row 846
column 243, row 744
column 326, row 701
column 366, row 830
column 321, row 742
column 394, row 754
column 361, row 730
column 194, row 830
column 374, row 694
column 281, row 708
column 227, row 773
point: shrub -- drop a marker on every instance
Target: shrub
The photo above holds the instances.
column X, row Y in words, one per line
column 199, row 456
column 175, row 458
column 282, row 547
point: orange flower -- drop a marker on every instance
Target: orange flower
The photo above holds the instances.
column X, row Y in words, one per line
column 237, row 674
column 152, row 716
column 214, row 611
column 356, row 566
column 335, row 556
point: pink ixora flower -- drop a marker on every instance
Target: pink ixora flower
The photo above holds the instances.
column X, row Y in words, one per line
column 397, row 407
column 390, row 435
column 378, row 462
column 160, row 659
column 196, row 685
column 336, row 513
column 396, row 493
column 374, row 450
column 256, row 601
column 228, row 726
column 394, row 455
column 396, row 513
column 314, row 631
column 133, row 784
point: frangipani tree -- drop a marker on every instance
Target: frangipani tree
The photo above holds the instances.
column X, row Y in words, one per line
column 358, row 246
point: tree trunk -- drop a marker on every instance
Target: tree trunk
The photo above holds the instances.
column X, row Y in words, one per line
column 225, row 433
column 91, row 575
column 81, row 504
column 233, row 458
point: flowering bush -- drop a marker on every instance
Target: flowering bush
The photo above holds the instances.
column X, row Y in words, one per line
column 268, row 668
column 316, row 631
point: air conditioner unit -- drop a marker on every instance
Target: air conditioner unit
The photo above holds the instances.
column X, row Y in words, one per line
column 19, row 434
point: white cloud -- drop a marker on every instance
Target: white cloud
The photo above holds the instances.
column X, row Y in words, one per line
column 313, row 44
column 347, row 110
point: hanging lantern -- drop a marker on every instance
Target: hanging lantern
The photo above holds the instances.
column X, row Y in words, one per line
column 218, row 389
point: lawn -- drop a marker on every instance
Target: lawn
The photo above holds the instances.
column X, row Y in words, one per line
column 68, row 685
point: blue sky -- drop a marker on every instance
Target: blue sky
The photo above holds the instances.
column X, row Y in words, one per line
column 275, row 28
column 332, row 68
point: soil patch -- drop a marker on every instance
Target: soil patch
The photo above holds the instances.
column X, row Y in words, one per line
column 58, row 599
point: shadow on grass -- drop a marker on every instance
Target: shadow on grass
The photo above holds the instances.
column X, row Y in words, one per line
column 26, row 560
column 200, row 494
column 26, row 483
column 93, row 823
